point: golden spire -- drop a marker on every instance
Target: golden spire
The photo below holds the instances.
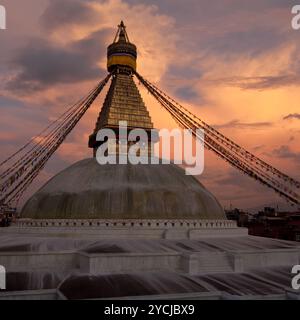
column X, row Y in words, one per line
column 121, row 53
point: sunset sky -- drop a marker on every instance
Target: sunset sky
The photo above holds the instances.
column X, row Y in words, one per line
column 234, row 63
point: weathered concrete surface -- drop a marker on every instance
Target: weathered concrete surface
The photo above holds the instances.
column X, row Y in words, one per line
column 87, row 190
column 240, row 267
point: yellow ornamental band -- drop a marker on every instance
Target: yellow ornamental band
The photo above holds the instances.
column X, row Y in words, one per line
column 122, row 60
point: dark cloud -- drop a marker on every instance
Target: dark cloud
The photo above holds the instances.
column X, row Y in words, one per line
column 259, row 83
column 60, row 13
column 225, row 27
column 252, row 42
column 15, row 130
column 94, row 46
column 182, row 80
column 201, row 11
column 273, row 82
column 182, row 72
column 243, row 125
column 187, row 93
column 245, row 187
column 10, row 103
column 235, row 178
column 284, row 152
column 10, row 107
column 42, row 64
column 292, row 116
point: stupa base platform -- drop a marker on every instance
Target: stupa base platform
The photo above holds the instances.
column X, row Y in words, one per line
column 130, row 229
column 116, row 262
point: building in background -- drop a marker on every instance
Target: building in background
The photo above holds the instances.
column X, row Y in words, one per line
column 270, row 223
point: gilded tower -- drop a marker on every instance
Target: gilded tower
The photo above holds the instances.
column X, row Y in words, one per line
column 123, row 101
